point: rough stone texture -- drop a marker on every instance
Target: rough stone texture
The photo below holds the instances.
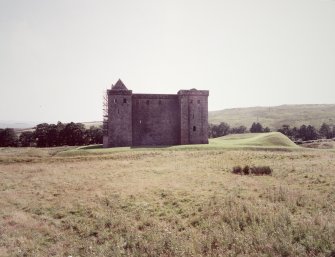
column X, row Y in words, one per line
column 156, row 119
column 119, row 116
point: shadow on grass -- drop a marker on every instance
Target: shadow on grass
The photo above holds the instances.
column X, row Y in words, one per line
column 99, row 146
column 151, row 146
column 89, row 147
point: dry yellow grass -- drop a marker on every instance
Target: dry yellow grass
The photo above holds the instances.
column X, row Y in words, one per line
column 170, row 202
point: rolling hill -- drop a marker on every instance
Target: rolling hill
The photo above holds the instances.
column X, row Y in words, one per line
column 272, row 139
column 275, row 117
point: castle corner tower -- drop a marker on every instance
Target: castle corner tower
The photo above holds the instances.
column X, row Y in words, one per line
column 193, row 116
column 119, row 123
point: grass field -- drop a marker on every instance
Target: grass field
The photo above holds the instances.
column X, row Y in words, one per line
column 169, row 201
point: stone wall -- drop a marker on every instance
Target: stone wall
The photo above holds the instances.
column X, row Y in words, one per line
column 194, row 116
column 119, row 118
column 156, row 120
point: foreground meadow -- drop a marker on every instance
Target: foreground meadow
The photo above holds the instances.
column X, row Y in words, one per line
column 166, row 202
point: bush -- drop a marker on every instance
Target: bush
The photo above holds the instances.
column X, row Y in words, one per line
column 255, row 170
column 246, row 170
column 237, row 170
column 261, row 170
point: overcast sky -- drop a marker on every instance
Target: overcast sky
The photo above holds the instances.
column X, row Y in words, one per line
column 58, row 57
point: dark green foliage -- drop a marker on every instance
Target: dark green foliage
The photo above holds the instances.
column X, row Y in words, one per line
column 237, row 170
column 41, row 134
column 73, row 134
column 238, row 130
column 326, row 131
column 8, row 137
column 219, row 130
column 254, row 170
column 306, row 133
column 266, row 130
column 261, row 170
column 93, row 135
column 256, row 127
column 246, row 170
column 50, row 135
column 26, row 139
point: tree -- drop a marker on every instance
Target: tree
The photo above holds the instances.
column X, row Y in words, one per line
column 73, row 133
column 325, row 131
column 223, row 129
column 218, row 130
column 286, row 130
column 53, row 135
column 308, row 133
column 27, row 138
column 61, row 137
column 8, row 137
column 1, row 136
column 210, row 130
column 295, row 133
column 238, row 130
column 41, row 134
column 94, row 135
column 311, row 133
column 256, row 128
column 266, row 130
column 303, row 132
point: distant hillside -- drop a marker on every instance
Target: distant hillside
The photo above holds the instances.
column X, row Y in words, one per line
column 16, row 124
column 275, row 117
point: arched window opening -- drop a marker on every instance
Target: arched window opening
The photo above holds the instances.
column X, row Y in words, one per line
column 194, row 128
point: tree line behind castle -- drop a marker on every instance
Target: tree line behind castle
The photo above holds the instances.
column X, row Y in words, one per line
column 76, row 134
column 303, row 133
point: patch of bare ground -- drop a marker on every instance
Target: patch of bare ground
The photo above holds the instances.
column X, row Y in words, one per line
column 169, row 203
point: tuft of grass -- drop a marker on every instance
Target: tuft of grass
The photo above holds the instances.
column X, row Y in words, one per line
column 254, row 170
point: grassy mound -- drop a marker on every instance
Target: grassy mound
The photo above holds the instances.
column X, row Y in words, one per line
column 272, row 139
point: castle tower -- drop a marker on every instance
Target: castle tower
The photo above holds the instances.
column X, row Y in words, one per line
column 119, row 124
column 193, row 116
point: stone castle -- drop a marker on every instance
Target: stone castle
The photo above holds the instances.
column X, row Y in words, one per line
column 155, row 119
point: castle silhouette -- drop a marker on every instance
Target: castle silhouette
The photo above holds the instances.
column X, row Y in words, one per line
column 155, row 119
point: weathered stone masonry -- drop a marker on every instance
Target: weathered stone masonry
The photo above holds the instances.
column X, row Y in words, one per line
column 155, row 119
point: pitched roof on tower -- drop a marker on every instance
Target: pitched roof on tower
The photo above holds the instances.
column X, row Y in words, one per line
column 119, row 86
